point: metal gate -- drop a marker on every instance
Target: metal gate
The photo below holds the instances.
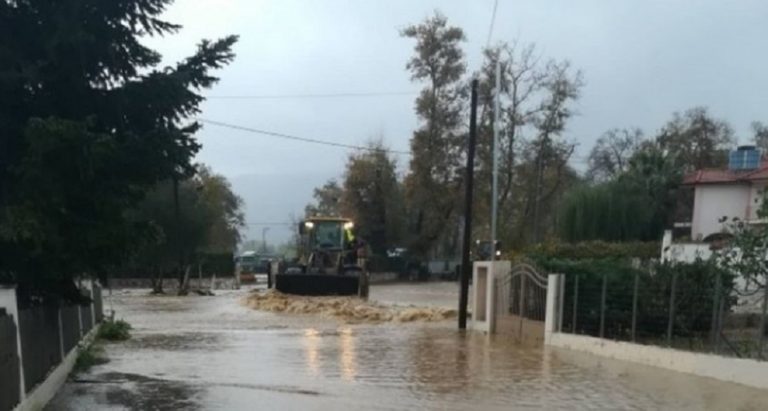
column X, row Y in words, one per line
column 521, row 298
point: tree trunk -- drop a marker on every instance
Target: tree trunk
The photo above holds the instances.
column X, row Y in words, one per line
column 184, row 284
column 157, row 282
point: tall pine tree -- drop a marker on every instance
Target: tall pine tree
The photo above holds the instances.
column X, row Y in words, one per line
column 89, row 121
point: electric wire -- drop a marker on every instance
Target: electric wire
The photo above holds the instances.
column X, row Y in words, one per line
column 298, row 138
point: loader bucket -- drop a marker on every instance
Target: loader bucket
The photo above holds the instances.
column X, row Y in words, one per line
column 317, row 284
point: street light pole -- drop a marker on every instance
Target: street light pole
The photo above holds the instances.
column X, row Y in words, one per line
column 264, row 239
column 495, row 189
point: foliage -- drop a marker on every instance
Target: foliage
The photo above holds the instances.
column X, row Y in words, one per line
column 114, row 330
column 201, row 220
column 594, row 250
column 90, row 122
column 223, row 212
column 326, row 202
column 432, row 188
column 611, row 154
column 372, row 197
column 636, row 205
column 89, row 356
column 696, row 140
column 744, row 254
column 760, row 131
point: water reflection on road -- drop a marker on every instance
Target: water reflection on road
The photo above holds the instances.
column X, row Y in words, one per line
column 213, row 353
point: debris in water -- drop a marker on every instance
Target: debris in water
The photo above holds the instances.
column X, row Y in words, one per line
column 349, row 309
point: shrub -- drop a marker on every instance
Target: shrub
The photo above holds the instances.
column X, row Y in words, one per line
column 89, row 356
column 112, row 330
column 594, row 250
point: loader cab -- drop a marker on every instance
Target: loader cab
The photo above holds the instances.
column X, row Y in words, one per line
column 327, row 234
column 328, row 262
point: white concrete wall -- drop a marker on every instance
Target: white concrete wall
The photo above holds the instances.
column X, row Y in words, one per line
column 685, row 252
column 742, row 371
column 8, row 301
column 713, row 201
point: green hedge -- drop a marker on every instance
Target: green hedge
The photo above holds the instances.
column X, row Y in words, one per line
column 594, row 250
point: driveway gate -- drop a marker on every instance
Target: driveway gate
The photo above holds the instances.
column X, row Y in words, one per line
column 521, row 298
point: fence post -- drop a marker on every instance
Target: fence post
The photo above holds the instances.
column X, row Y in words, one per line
column 714, row 329
column 61, row 334
column 522, row 306
column 602, row 306
column 560, row 301
column 671, row 322
column 575, row 303
column 634, row 306
column 761, row 340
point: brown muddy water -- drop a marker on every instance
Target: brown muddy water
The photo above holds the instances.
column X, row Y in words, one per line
column 202, row 353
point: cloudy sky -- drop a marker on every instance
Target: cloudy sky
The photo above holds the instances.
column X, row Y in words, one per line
column 642, row 60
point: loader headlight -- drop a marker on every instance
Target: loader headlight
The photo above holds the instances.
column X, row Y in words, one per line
column 349, row 225
column 309, row 225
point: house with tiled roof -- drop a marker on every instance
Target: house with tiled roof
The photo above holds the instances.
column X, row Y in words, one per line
column 718, row 195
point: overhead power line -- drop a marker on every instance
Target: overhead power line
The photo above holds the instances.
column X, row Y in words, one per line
column 297, row 138
column 493, row 20
column 309, row 96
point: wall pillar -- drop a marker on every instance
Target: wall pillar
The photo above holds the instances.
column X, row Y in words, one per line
column 485, row 275
column 9, row 302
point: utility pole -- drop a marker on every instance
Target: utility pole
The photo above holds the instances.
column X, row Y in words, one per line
column 466, row 268
column 495, row 189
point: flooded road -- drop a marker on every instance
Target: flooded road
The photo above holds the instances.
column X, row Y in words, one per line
column 215, row 353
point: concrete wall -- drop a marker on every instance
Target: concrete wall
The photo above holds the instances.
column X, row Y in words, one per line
column 742, row 371
column 683, row 252
column 713, row 201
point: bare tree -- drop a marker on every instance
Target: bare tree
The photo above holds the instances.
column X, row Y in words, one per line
column 611, row 153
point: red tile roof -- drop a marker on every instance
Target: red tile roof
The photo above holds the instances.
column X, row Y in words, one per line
column 719, row 176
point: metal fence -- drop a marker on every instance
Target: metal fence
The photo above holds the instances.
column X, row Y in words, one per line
column 70, row 326
column 40, row 347
column 46, row 334
column 690, row 310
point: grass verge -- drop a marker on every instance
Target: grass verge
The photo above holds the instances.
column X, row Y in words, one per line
column 93, row 354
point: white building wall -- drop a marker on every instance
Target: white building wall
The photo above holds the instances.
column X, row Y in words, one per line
column 712, row 202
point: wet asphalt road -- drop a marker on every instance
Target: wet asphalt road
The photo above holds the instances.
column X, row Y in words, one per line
column 201, row 353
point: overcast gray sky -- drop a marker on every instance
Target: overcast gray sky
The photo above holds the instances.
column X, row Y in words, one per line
column 642, row 60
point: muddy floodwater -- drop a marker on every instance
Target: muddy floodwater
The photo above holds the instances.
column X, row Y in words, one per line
column 202, row 353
